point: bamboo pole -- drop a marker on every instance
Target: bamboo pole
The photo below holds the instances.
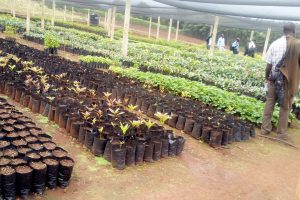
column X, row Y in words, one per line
column 177, row 30
column 105, row 21
column 53, row 13
column 170, row 29
column 126, row 28
column 211, row 29
column 43, row 15
column 88, row 17
column 267, row 42
column 109, row 21
column 13, row 12
column 158, row 27
column 214, row 35
column 252, row 34
column 72, row 15
column 112, row 32
column 65, row 13
column 150, row 27
column 28, row 17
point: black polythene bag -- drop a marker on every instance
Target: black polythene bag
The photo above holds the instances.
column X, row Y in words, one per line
column 65, row 172
column 52, row 172
column 9, row 184
column 165, row 148
column 24, row 182
column 139, row 153
column 39, row 177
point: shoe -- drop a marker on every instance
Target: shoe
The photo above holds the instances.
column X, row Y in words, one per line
column 283, row 136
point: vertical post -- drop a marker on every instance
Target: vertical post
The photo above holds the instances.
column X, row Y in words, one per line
column 43, row 15
column 65, row 13
column 53, row 13
column 112, row 32
column 14, row 9
column 33, row 10
column 170, row 29
column 177, row 30
column 211, row 29
column 158, row 26
column 88, row 17
column 126, row 28
column 72, row 15
column 109, row 21
column 267, row 42
column 214, row 35
column 28, row 17
column 150, row 27
column 99, row 22
column 105, row 20
column 252, row 34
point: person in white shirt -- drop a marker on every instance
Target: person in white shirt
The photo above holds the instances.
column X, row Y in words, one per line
column 250, row 49
column 221, row 42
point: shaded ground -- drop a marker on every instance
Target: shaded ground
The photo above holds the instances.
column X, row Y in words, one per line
column 258, row 169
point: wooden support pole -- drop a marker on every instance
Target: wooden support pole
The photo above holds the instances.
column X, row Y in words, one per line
column 88, row 17
column 214, row 35
column 53, row 13
column 112, row 32
column 109, row 21
column 105, row 21
column 266, row 42
column 170, row 29
column 28, row 17
column 43, row 15
column 158, row 27
column 126, row 28
column 177, row 30
column 211, row 29
column 150, row 27
column 252, row 34
column 65, row 13
column 13, row 12
column 99, row 22
column 72, row 15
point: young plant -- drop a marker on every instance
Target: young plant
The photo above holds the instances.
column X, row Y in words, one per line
column 100, row 130
column 11, row 67
column 131, row 108
column 107, row 94
column 86, row 115
column 163, row 117
column 124, row 128
column 149, row 124
column 136, row 123
column 92, row 92
column 115, row 113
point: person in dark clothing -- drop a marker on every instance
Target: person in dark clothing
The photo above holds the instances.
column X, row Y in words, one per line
column 250, row 49
column 235, row 46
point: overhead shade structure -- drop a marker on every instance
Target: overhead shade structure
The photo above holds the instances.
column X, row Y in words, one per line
column 252, row 2
column 265, row 12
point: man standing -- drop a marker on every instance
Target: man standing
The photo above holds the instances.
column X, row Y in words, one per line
column 221, row 42
column 235, row 46
column 282, row 79
column 250, row 49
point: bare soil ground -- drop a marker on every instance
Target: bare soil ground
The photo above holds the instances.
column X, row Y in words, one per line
column 258, row 169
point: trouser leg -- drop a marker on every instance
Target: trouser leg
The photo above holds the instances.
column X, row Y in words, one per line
column 283, row 121
column 268, row 111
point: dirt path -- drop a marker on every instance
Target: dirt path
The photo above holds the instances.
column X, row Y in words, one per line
column 258, row 169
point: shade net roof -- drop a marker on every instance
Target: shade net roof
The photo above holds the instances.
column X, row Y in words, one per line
column 247, row 14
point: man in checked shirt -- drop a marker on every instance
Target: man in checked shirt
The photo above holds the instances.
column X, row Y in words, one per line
column 282, row 57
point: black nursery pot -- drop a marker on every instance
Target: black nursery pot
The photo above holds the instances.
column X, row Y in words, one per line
column 24, row 178
column 148, row 156
column 206, row 134
column 188, row 126
column 75, row 127
column 180, row 122
column 165, row 148
column 89, row 139
column 197, row 131
column 140, row 151
column 99, row 146
column 173, row 120
column 118, row 156
column 39, row 177
column 180, row 146
column 157, row 149
column 130, row 154
column 8, row 183
column 52, row 172
column 65, row 171
column 215, row 138
column 107, row 151
column 173, row 144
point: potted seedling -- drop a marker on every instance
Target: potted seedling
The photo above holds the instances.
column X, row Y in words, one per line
column 99, row 143
column 51, row 43
column 118, row 156
column 10, row 33
column 162, row 117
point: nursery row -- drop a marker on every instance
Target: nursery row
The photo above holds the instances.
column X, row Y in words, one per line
column 70, row 97
column 193, row 117
column 29, row 160
column 240, row 75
